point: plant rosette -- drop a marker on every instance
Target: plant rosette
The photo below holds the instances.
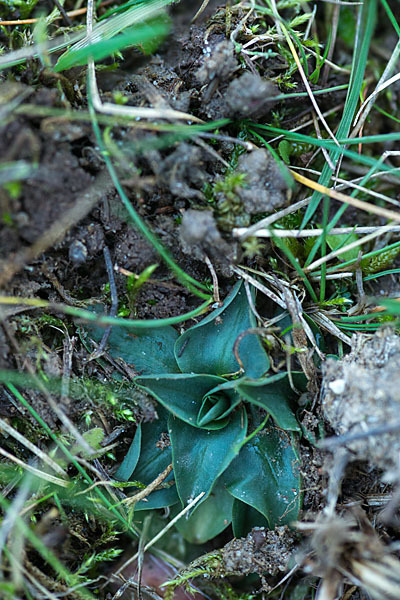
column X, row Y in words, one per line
column 232, row 432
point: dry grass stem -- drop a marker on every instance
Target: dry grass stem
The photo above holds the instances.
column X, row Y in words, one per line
column 242, row 232
column 34, row 471
column 34, row 449
column 161, row 533
column 366, row 206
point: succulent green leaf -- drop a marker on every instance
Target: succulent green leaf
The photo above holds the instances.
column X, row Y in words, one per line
column 208, row 346
column 272, row 394
column 217, row 404
column 128, row 465
column 152, row 461
column 209, row 519
column 213, row 408
column 145, row 350
column 184, row 396
column 201, row 456
column 266, row 476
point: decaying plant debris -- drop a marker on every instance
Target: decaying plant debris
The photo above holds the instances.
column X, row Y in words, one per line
column 234, row 432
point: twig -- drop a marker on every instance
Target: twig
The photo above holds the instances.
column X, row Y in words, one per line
column 64, row 14
column 201, row 10
column 243, row 334
column 68, row 345
column 250, row 231
column 319, row 136
column 307, row 85
column 33, row 470
column 70, row 13
column 150, row 488
column 383, row 83
column 343, row 440
column 260, row 286
column 353, row 184
column 34, row 449
column 214, row 280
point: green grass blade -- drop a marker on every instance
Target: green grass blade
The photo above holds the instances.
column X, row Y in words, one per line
column 367, row 18
column 133, row 36
column 89, row 316
column 391, row 16
column 330, row 146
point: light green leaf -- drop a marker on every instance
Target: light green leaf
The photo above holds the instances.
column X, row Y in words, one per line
column 339, row 241
column 208, row 346
column 272, row 394
column 209, row 519
column 200, row 456
column 266, row 476
column 93, row 437
column 217, row 404
column 145, row 350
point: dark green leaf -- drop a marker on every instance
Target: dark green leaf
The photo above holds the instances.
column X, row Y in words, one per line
column 200, row 456
column 208, row 346
column 244, row 518
column 217, row 405
column 146, row 350
column 183, row 394
column 209, row 519
column 128, row 465
column 152, row 461
column 266, row 476
column 273, row 395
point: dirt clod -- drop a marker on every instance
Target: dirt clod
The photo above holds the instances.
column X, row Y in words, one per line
column 220, row 63
column 361, row 393
column 200, row 234
column 182, row 171
column 265, row 188
column 250, row 95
